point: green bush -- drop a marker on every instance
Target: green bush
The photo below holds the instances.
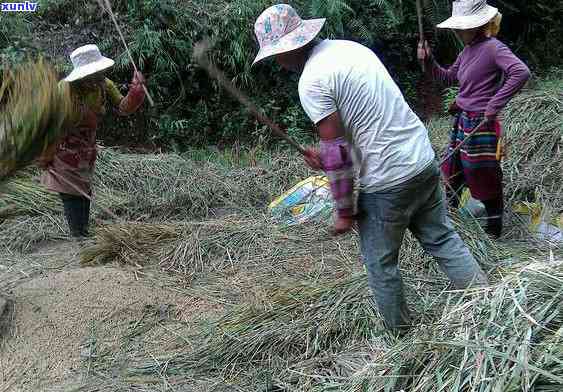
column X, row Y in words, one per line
column 14, row 33
column 192, row 110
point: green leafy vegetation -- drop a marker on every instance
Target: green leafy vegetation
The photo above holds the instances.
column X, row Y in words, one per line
column 192, row 110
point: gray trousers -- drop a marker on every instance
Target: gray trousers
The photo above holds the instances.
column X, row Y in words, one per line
column 417, row 205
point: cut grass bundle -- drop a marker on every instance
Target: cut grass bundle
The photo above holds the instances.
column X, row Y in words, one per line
column 534, row 129
column 24, row 195
column 21, row 233
column 169, row 186
column 507, row 338
column 34, row 110
column 187, row 247
column 133, row 243
column 300, row 322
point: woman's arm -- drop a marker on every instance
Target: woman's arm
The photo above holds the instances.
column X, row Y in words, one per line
column 47, row 156
column 517, row 74
column 129, row 104
column 447, row 76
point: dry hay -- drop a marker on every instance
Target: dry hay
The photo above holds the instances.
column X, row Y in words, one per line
column 22, row 233
column 328, row 338
column 534, row 129
column 35, row 108
column 170, row 186
column 58, row 317
column 188, row 247
column 163, row 186
column 24, row 195
column 508, row 337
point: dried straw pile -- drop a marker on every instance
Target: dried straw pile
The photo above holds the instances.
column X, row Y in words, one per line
column 34, row 108
column 21, row 233
column 327, row 337
column 508, row 338
column 24, row 195
column 162, row 186
column 534, row 129
column 171, row 186
column 189, row 247
column 299, row 323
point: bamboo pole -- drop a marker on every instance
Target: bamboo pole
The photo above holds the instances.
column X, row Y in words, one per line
column 109, row 10
column 458, row 147
column 420, row 30
column 200, row 54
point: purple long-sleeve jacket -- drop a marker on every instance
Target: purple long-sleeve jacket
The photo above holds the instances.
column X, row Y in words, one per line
column 479, row 70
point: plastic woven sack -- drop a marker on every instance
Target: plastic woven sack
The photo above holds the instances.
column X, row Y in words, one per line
column 307, row 201
column 542, row 223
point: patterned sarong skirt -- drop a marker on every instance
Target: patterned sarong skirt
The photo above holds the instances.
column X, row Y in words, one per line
column 475, row 164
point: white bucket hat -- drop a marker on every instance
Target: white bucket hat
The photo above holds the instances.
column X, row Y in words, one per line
column 87, row 60
column 280, row 29
column 469, row 14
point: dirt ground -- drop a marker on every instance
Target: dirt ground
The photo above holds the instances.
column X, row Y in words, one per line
column 61, row 317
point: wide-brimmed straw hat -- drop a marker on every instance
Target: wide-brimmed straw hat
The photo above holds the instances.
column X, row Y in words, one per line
column 87, row 60
column 469, row 14
column 280, row 29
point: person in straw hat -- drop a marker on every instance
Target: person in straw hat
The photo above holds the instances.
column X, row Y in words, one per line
column 367, row 130
column 489, row 75
column 69, row 164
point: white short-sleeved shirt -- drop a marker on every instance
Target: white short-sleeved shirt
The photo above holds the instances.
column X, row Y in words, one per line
column 390, row 143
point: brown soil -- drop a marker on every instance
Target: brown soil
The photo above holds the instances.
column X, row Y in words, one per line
column 58, row 317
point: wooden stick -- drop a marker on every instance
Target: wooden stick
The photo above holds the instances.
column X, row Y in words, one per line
column 420, row 30
column 82, row 193
column 200, row 50
column 451, row 154
column 465, row 139
column 109, row 10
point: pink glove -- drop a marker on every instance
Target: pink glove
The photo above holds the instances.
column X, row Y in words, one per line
column 313, row 159
column 138, row 79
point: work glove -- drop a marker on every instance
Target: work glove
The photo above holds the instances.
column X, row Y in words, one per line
column 138, row 79
column 313, row 159
column 343, row 225
column 453, row 109
column 424, row 52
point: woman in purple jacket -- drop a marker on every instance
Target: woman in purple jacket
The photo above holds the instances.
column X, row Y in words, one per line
column 489, row 75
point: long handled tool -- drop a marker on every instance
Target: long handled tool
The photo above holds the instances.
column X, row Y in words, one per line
column 420, row 30
column 200, row 53
column 465, row 140
column 82, row 193
column 107, row 6
column 456, row 149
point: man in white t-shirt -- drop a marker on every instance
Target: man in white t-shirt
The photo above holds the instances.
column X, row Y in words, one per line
column 369, row 132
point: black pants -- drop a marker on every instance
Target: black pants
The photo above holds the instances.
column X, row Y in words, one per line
column 494, row 207
column 77, row 213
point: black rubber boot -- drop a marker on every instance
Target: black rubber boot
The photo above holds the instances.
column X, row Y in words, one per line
column 495, row 210
column 77, row 213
